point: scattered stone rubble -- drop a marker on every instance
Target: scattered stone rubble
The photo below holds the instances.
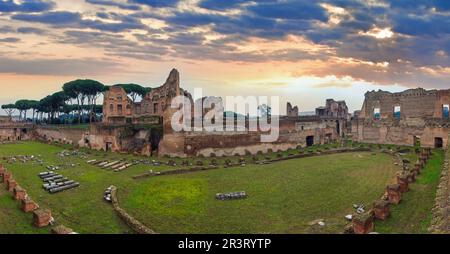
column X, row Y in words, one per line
column 54, row 183
column 62, row 230
column 41, row 217
column 107, row 194
column 231, row 196
column 116, row 165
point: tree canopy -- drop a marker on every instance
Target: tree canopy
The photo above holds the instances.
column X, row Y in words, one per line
column 135, row 90
column 82, row 89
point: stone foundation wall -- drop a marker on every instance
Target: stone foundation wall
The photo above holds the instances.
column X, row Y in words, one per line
column 15, row 132
column 242, row 143
column 419, row 115
column 128, row 219
column 61, row 135
column 384, row 133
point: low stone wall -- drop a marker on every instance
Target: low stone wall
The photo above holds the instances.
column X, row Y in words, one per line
column 61, row 135
column 440, row 223
column 174, row 172
column 231, row 144
column 128, row 219
column 290, row 157
column 364, row 223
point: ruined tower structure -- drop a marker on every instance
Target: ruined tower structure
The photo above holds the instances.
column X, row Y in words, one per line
column 412, row 117
column 118, row 108
column 333, row 108
column 291, row 111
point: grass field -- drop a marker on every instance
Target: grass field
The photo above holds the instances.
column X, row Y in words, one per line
column 413, row 214
column 283, row 197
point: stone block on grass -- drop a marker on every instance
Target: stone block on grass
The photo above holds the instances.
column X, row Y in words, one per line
column 381, row 209
column 42, row 217
column 28, row 205
column 362, row 223
column 19, row 193
column 394, row 193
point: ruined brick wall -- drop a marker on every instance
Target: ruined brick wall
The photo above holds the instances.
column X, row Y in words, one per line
column 414, row 103
column 16, row 131
column 158, row 99
column 118, row 108
column 333, row 108
column 8, row 134
column 117, row 105
column 291, row 111
column 292, row 133
column 420, row 118
column 120, row 138
column 61, row 135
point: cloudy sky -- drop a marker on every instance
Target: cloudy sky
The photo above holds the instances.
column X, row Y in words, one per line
column 305, row 51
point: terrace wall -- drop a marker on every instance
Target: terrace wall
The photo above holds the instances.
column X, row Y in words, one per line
column 60, row 134
column 421, row 118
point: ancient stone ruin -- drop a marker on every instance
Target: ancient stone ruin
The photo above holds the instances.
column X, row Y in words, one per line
column 362, row 223
column 394, row 193
column 42, row 217
column 412, row 117
column 145, row 127
column 381, row 209
column 291, row 111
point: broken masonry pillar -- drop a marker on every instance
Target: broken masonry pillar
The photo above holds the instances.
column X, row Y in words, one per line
column 61, row 230
column 11, row 184
column 19, row 193
column 394, row 193
column 6, row 176
column 381, row 209
column 362, row 223
column 42, row 217
column 28, row 205
column 402, row 180
column 411, row 176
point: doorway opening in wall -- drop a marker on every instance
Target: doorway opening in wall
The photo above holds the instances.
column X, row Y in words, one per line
column 108, row 146
column 438, row 142
column 416, row 141
column 445, row 109
column 338, row 128
column 309, row 140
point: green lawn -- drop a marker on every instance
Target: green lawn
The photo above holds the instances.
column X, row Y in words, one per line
column 283, row 197
column 12, row 220
column 413, row 214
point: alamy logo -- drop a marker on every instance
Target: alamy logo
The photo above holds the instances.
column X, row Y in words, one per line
column 235, row 114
